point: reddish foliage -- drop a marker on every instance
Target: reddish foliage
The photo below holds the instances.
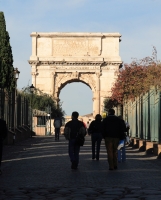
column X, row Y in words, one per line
column 136, row 78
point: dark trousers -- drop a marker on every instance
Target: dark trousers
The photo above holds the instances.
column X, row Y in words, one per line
column 1, row 148
column 96, row 140
column 57, row 132
column 73, row 150
column 111, row 146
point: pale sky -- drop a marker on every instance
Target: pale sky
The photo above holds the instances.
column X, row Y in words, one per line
column 138, row 21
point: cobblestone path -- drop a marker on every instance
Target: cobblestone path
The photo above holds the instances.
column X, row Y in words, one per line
column 39, row 168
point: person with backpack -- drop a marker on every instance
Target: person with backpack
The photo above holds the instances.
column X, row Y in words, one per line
column 57, row 125
column 3, row 135
column 95, row 130
column 74, row 129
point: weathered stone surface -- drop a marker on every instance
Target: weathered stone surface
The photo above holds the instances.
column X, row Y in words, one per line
column 61, row 58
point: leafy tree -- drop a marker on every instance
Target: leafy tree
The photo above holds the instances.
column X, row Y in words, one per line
column 110, row 103
column 6, row 60
column 41, row 101
column 135, row 79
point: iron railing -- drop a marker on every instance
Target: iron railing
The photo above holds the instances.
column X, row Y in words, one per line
column 144, row 115
column 14, row 109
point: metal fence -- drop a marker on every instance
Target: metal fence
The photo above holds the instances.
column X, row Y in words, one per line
column 144, row 115
column 14, row 109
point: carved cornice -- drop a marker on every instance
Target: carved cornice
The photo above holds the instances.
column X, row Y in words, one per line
column 110, row 66
column 75, row 63
column 34, row 73
column 60, row 34
column 33, row 62
column 65, row 63
column 107, row 63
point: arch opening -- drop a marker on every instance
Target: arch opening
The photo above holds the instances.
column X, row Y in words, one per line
column 72, row 81
column 76, row 96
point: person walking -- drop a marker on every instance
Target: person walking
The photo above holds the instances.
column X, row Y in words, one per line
column 95, row 130
column 3, row 135
column 87, row 126
column 112, row 130
column 72, row 129
column 121, row 153
column 57, row 124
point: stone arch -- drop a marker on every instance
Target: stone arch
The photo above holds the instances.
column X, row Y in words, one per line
column 61, row 84
column 61, row 58
column 61, row 79
column 71, row 81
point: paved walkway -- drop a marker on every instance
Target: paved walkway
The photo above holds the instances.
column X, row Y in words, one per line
column 39, row 168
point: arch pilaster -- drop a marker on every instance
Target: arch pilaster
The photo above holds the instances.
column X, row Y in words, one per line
column 34, row 72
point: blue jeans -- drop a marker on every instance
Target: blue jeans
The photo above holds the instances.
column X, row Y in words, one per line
column 73, row 151
column 96, row 138
column 121, row 154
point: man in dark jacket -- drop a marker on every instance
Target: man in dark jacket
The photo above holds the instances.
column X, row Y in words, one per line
column 112, row 132
column 72, row 129
column 3, row 135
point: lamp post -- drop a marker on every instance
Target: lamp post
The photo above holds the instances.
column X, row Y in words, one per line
column 32, row 88
column 50, row 119
column 16, row 76
column 48, row 110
